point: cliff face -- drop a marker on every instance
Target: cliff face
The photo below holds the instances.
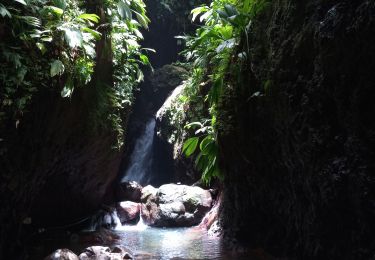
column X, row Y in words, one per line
column 58, row 161
column 297, row 134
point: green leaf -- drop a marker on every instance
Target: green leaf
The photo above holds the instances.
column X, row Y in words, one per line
column 190, row 146
column 142, row 19
column 41, row 47
column 21, row 2
column 56, row 10
column 197, row 11
column 144, row 59
column 57, row 68
column 194, row 124
column 4, row 12
column 124, row 10
column 31, row 20
column 205, row 144
column 90, row 17
column 67, row 91
column 60, row 4
column 73, row 37
column 97, row 35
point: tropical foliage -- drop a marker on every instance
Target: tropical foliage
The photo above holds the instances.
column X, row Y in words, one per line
column 211, row 51
column 51, row 44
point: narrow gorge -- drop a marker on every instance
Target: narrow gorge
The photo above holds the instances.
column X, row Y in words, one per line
column 187, row 129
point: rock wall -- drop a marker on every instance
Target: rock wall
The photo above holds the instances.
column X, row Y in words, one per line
column 57, row 163
column 297, row 135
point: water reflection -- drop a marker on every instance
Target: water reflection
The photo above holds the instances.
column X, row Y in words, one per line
column 159, row 243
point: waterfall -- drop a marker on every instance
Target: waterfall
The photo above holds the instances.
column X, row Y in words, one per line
column 141, row 158
column 139, row 227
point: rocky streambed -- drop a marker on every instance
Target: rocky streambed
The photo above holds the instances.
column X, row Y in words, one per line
column 175, row 220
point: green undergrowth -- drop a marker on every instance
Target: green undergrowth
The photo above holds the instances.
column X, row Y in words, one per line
column 216, row 63
column 52, row 44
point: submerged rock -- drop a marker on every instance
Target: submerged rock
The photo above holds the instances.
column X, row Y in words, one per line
column 128, row 211
column 62, row 254
column 175, row 205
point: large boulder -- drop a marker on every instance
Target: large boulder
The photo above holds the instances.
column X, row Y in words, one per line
column 129, row 191
column 149, row 207
column 176, row 205
column 62, row 254
column 128, row 211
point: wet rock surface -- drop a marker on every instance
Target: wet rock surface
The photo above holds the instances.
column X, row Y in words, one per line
column 297, row 134
column 128, row 211
column 129, row 191
column 105, row 253
column 175, row 205
column 62, row 254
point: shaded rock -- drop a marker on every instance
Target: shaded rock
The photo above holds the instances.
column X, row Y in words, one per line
column 149, row 207
column 175, row 205
column 167, row 78
column 105, row 253
column 62, row 254
column 128, row 211
column 105, row 219
column 129, row 191
column 102, row 236
column 210, row 222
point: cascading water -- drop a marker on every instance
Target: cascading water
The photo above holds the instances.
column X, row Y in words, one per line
column 141, row 159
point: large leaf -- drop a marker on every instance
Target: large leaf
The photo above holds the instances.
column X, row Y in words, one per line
column 142, row 19
column 90, row 17
column 4, row 12
column 190, row 146
column 67, row 91
column 73, row 37
column 60, row 4
column 94, row 33
column 205, row 145
column 55, row 10
column 124, row 10
column 21, row 2
column 197, row 11
column 57, row 68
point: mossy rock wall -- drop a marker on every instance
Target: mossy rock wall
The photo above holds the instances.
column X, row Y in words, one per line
column 297, row 135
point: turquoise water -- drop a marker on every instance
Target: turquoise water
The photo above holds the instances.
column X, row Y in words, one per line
column 171, row 243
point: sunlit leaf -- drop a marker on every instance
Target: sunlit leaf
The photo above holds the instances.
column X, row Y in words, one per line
column 90, row 17
column 190, row 146
column 94, row 33
column 21, row 2
column 73, row 37
column 124, row 10
column 4, row 12
column 144, row 59
column 67, row 91
column 57, row 68
column 142, row 19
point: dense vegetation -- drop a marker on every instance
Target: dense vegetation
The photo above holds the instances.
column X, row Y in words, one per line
column 215, row 63
column 51, row 44
column 278, row 106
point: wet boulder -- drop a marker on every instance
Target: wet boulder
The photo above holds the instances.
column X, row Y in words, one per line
column 128, row 211
column 62, row 254
column 176, row 205
column 105, row 253
column 149, row 207
column 129, row 191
